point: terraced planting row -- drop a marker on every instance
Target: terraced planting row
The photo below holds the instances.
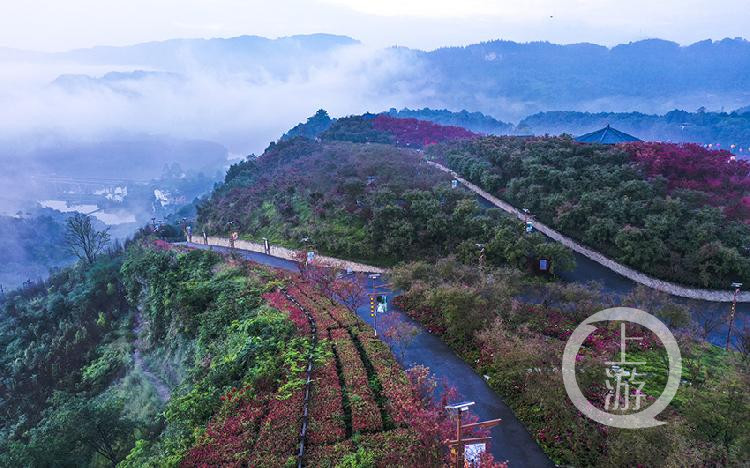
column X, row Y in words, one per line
column 359, row 392
column 258, row 425
column 364, row 410
column 255, row 431
column 358, row 398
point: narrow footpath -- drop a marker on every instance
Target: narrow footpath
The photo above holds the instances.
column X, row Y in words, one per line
column 162, row 390
column 510, row 440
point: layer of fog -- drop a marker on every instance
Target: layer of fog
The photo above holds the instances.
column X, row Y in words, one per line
column 62, row 116
column 242, row 110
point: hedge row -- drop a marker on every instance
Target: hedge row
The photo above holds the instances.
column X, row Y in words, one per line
column 327, row 421
column 364, row 409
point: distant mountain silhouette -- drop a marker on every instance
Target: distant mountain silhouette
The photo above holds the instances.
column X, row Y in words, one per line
column 219, row 54
column 651, row 76
column 502, row 79
column 119, row 82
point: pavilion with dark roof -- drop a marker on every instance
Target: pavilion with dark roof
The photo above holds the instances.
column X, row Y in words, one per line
column 607, row 136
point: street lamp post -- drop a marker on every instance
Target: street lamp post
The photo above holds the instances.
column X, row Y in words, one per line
column 266, row 246
column 309, row 249
column 233, row 234
column 373, row 311
column 732, row 312
column 481, row 256
column 529, row 224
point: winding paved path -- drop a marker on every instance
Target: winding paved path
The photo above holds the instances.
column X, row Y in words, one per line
column 510, row 440
column 631, row 274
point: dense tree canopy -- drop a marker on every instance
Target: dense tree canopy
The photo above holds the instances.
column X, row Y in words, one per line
column 676, row 212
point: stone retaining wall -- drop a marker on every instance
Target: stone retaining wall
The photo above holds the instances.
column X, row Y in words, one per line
column 665, row 286
column 288, row 254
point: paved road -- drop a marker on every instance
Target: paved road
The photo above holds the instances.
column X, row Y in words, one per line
column 620, row 286
column 511, row 440
column 724, row 295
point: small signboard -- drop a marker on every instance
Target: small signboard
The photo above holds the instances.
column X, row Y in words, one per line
column 473, row 453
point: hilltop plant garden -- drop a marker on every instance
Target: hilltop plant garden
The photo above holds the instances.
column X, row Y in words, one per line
column 680, row 212
column 368, row 202
column 509, row 325
column 160, row 356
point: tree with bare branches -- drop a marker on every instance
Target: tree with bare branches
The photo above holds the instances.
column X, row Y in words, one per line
column 83, row 239
column 350, row 292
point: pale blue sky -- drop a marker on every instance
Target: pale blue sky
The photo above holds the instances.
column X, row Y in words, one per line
column 54, row 25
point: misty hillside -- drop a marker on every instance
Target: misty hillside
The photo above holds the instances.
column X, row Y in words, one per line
column 645, row 75
column 32, row 245
column 119, row 82
column 505, row 79
column 119, row 156
column 280, row 55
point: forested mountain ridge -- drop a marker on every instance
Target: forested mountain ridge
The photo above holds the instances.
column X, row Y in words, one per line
column 232, row 53
column 721, row 130
column 475, row 121
column 538, row 76
column 504, row 79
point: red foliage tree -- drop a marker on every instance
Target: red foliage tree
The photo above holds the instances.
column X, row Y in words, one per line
column 724, row 180
column 413, row 132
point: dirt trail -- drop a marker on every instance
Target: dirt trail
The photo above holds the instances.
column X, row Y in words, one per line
column 161, row 388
